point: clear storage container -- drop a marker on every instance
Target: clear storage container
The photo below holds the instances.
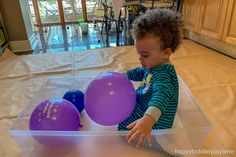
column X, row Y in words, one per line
column 93, row 140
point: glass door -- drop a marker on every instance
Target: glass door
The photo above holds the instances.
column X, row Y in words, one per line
column 49, row 12
column 32, row 13
column 90, row 7
column 72, row 10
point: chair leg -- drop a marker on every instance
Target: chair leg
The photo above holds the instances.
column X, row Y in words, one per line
column 103, row 21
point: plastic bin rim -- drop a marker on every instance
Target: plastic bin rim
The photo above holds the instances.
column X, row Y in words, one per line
column 107, row 133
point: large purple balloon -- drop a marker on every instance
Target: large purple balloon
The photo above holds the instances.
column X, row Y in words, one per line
column 54, row 114
column 110, row 98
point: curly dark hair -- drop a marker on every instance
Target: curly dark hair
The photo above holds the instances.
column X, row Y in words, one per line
column 163, row 23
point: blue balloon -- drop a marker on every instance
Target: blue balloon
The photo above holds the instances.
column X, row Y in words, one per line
column 76, row 97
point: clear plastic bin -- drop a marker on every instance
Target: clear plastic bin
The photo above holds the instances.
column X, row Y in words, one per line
column 93, row 140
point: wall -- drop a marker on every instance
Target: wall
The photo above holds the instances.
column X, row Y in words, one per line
column 26, row 16
column 15, row 26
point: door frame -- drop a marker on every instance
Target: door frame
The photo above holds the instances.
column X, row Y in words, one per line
column 61, row 14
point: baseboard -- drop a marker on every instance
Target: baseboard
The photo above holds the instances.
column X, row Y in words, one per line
column 20, row 46
column 220, row 46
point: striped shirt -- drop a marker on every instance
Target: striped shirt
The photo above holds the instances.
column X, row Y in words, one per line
column 159, row 88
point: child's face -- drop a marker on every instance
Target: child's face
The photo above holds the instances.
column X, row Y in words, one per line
column 150, row 53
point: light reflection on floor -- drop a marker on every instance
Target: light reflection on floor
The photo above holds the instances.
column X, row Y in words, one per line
column 69, row 38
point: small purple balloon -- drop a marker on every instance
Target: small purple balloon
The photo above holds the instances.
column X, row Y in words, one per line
column 54, row 114
column 110, row 98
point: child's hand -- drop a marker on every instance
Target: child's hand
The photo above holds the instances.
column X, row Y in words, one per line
column 143, row 128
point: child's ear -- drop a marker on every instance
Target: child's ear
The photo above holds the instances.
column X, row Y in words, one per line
column 167, row 52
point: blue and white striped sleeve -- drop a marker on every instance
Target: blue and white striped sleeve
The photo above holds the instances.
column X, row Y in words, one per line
column 136, row 74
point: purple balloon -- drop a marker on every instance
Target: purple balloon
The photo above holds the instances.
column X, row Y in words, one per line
column 54, row 114
column 110, row 98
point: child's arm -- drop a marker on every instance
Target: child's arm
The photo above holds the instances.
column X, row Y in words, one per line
column 143, row 126
column 162, row 91
column 136, row 74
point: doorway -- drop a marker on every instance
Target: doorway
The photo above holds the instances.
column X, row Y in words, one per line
column 54, row 12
